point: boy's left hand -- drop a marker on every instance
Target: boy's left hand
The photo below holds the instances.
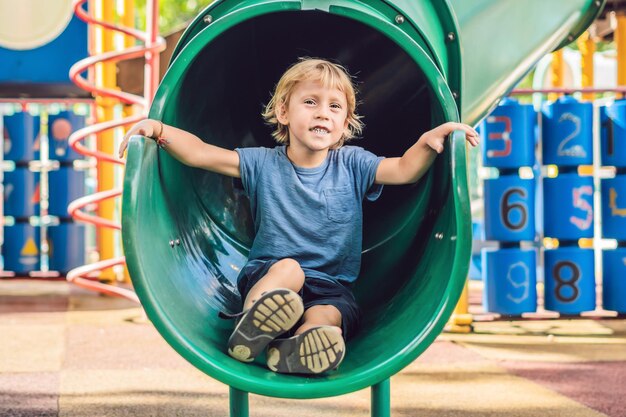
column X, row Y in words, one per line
column 435, row 138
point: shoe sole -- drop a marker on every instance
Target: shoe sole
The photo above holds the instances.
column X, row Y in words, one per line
column 315, row 351
column 273, row 314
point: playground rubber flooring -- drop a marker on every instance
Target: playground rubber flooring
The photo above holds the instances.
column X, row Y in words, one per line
column 69, row 352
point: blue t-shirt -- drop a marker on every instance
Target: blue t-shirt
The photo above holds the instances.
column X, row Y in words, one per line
column 313, row 215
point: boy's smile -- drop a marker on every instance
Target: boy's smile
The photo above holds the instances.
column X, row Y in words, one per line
column 316, row 117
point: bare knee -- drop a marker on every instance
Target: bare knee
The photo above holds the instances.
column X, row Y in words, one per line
column 289, row 271
column 285, row 273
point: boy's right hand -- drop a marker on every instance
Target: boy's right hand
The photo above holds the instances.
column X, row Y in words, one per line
column 146, row 127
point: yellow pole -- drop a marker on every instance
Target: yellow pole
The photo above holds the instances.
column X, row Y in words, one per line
column 128, row 20
column 620, row 40
column 127, row 15
column 461, row 320
column 556, row 73
column 587, row 48
column 106, row 78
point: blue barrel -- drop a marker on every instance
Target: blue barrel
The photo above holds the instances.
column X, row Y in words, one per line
column 21, row 193
column 613, row 134
column 67, row 246
column 614, row 207
column 568, row 207
column 60, row 127
column 20, row 251
column 567, row 127
column 510, row 209
column 475, row 268
column 510, row 281
column 21, row 137
column 475, row 261
column 509, row 135
column 66, row 185
column 538, row 201
column 570, row 286
column 614, row 280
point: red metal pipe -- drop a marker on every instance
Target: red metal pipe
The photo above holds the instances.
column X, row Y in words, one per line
column 26, row 101
column 151, row 69
column 153, row 44
column 568, row 90
column 78, row 276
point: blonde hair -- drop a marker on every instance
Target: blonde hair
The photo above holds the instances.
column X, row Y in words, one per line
column 331, row 76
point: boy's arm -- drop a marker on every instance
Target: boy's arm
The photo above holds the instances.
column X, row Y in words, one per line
column 419, row 157
column 186, row 147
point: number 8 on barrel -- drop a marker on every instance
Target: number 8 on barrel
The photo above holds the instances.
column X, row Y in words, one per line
column 570, row 282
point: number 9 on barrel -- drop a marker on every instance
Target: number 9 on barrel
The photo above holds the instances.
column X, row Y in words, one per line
column 510, row 281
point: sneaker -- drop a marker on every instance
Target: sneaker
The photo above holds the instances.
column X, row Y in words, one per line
column 312, row 352
column 273, row 314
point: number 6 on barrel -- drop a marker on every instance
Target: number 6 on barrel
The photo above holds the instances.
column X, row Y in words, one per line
column 510, row 209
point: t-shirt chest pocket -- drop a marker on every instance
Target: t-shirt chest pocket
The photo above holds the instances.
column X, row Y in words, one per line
column 340, row 204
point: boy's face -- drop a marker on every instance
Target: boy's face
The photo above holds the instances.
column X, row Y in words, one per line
column 316, row 116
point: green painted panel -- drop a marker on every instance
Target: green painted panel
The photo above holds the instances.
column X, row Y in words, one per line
column 186, row 232
column 502, row 40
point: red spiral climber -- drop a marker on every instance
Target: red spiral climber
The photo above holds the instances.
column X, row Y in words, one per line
column 152, row 45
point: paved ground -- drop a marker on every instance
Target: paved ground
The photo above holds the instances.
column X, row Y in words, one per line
column 67, row 352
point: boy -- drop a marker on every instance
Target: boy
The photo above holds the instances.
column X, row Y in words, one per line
column 306, row 200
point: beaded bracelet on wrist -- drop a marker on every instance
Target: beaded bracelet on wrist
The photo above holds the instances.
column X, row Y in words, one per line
column 160, row 141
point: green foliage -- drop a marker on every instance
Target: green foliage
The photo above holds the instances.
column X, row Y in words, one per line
column 601, row 46
column 605, row 46
column 173, row 14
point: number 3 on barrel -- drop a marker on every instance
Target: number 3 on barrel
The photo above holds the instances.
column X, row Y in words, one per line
column 504, row 136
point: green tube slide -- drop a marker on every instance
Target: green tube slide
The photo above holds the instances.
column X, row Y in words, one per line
column 187, row 232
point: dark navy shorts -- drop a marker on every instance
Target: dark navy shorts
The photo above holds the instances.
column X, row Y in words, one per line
column 314, row 292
